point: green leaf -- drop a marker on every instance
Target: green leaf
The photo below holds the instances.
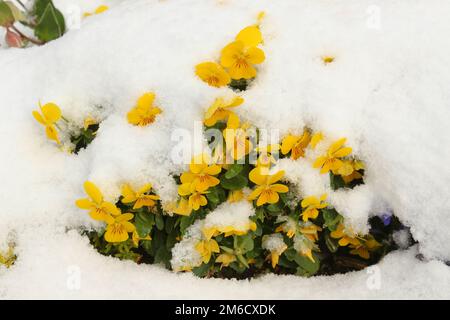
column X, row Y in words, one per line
column 147, row 246
column 186, row 221
column 202, row 270
column 144, row 222
column 163, row 255
column 332, row 218
column 234, row 170
column 50, row 21
column 235, row 183
column 259, row 213
column 244, row 243
column 6, row 15
column 159, row 222
column 242, row 260
column 213, row 196
column 336, row 181
column 332, row 244
column 306, row 266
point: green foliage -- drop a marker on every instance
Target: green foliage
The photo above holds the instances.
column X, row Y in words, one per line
column 83, row 138
column 6, row 15
column 50, row 23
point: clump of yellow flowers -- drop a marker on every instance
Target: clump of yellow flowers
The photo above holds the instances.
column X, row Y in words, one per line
column 237, row 59
column 50, row 114
column 289, row 233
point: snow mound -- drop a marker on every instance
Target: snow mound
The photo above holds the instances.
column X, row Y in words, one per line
column 385, row 91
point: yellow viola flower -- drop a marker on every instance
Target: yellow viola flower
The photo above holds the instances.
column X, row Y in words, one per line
column 136, row 238
column 213, row 74
column 237, row 140
column 331, row 160
column 327, row 59
column 226, row 259
column 200, row 176
column 98, row 208
column 98, row 10
column 119, row 227
column 265, row 157
column 365, row 247
column 235, row 196
column 239, row 60
column 8, row 258
column 267, row 189
column 275, row 244
column 144, row 113
column 220, row 110
column 295, row 144
column 140, row 197
column 345, row 236
column 197, row 200
column 51, row 113
column 310, row 231
column 206, row 249
column 349, row 170
column 315, row 139
column 311, row 206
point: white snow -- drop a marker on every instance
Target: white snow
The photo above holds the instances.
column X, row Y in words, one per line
column 386, row 92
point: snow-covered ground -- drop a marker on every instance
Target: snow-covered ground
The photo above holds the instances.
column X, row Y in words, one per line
column 387, row 91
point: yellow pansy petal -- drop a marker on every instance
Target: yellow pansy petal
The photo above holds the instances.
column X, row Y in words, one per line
column 255, row 193
column 84, row 203
column 343, row 152
column 233, row 121
column 315, row 139
column 272, row 197
column 101, row 8
column 214, row 246
column 280, row 188
column 337, row 145
column 213, row 170
column 288, row 143
column 185, row 189
column 111, row 208
column 251, row 36
column 237, row 101
column 125, row 217
column 128, row 194
column 51, row 112
column 93, row 192
column 276, row 177
column 145, row 188
column 52, row 134
column 319, row 162
column 146, row 100
column 39, row 117
column 116, row 233
column 255, row 55
column 129, row 227
column 307, row 201
column 257, row 177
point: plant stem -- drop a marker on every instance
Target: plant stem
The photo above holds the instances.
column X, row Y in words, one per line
column 38, row 42
column 22, row 5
